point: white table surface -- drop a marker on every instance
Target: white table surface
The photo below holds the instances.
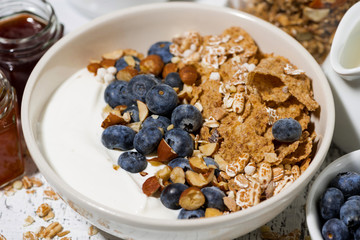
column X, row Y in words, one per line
column 14, row 209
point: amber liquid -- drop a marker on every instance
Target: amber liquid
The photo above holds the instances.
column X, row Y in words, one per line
column 18, row 68
column 11, row 161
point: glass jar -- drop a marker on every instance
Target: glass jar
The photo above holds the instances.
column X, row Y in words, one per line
column 27, row 29
column 11, row 158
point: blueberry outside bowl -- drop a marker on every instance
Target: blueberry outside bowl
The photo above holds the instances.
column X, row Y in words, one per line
column 348, row 162
column 138, row 28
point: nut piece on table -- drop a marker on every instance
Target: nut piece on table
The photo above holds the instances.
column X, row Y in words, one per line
column 191, row 198
column 151, row 186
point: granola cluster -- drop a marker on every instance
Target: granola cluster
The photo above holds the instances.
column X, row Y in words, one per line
column 240, row 92
column 312, row 22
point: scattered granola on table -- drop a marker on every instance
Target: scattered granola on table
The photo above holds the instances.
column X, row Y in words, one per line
column 312, row 22
column 241, row 94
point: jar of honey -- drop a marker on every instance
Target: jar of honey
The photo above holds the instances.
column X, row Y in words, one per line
column 27, row 29
column 11, row 159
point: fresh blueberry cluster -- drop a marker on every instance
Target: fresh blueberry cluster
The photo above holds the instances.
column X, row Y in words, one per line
column 340, row 208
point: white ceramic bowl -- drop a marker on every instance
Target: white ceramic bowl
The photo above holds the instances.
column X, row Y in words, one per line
column 138, row 28
column 348, row 162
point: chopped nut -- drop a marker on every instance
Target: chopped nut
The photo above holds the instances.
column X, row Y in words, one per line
column 152, row 64
column 185, row 93
column 136, row 126
column 17, row 185
column 191, row 198
column 222, row 163
column 164, row 173
column 127, row 73
column 188, row 74
column 230, row 203
column 212, row 212
column 9, row 190
column 28, row 221
column 209, row 148
column 114, row 55
column 198, row 164
column 315, row 15
column 143, row 110
column 113, row 119
column 165, row 152
column 92, row 230
column 143, row 174
column 43, row 210
column 106, row 63
column 49, row 216
column 151, row 186
column 169, row 68
column 29, row 235
column 177, row 175
column 26, row 182
column 93, row 67
column 198, row 179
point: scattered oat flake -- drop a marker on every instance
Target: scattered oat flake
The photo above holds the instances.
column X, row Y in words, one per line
column 63, row 233
column 92, row 230
column 28, row 221
column 52, row 230
column 49, row 216
column 26, row 182
column 29, row 235
column 32, row 191
column 2, row 237
column 9, row 191
column 36, row 182
column 43, row 210
column 51, row 194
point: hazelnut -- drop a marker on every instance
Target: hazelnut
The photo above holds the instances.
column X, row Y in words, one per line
column 114, row 55
column 188, row 74
column 191, row 198
column 169, row 68
column 126, row 73
column 198, row 179
column 151, row 186
column 152, row 64
column 164, row 173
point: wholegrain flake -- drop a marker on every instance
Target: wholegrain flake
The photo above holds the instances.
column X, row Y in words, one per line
column 240, row 92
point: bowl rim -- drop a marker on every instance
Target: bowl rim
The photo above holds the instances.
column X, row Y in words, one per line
column 327, row 173
column 169, row 224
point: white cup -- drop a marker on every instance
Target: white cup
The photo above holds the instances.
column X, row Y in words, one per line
column 345, row 49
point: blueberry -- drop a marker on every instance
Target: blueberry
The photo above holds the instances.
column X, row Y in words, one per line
column 121, row 63
column 357, row 234
column 350, row 213
column 180, row 141
column 162, row 49
column 335, row 229
column 180, row 162
column 189, row 214
column 147, row 140
column 214, row 198
column 187, row 117
column 133, row 162
column 134, row 113
column 330, row 203
column 355, row 197
column 140, row 84
column 286, row 130
column 116, row 94
column 161, row 99
column 347, row 182
column 157, row 121
column 170, row 195
column 118, row 137
column 173, row 80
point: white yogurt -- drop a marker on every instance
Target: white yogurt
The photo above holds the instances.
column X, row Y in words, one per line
column 71, row 138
